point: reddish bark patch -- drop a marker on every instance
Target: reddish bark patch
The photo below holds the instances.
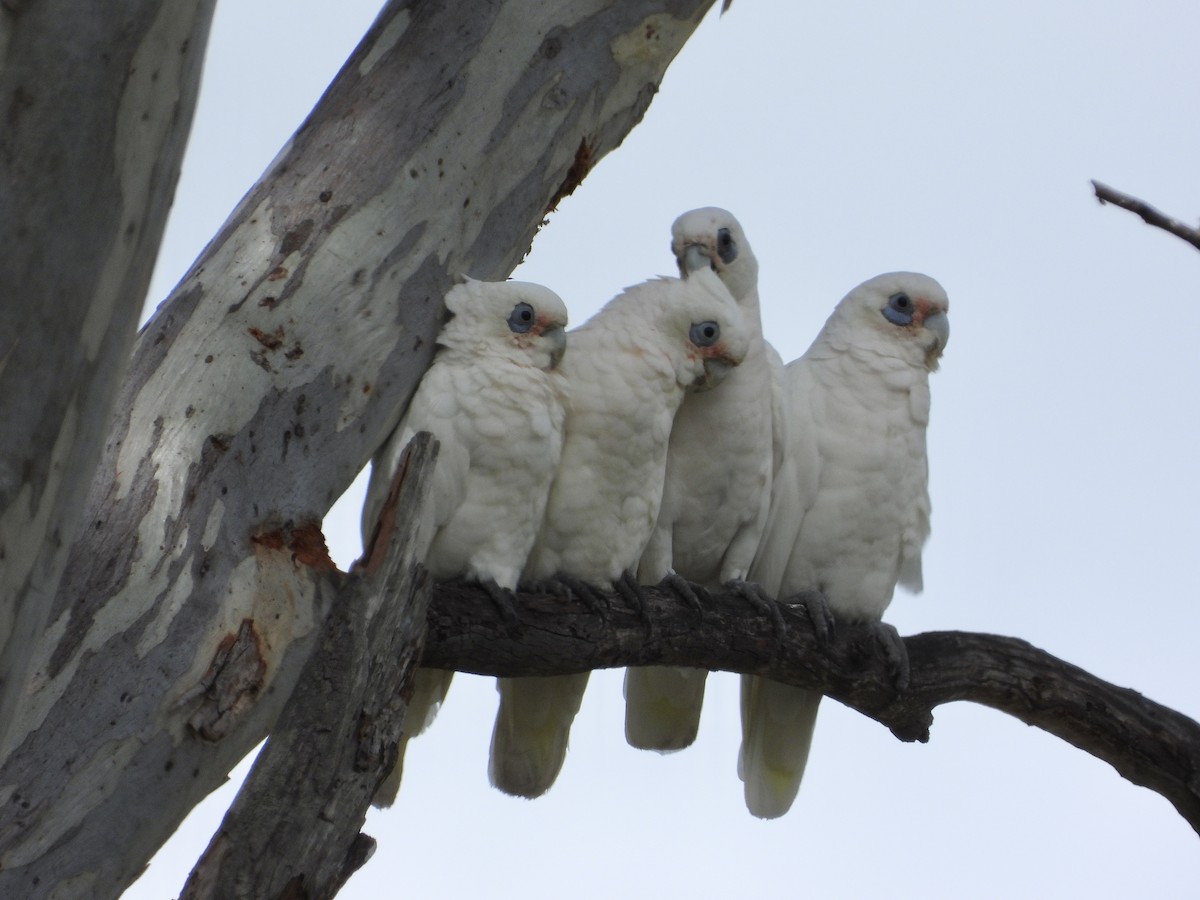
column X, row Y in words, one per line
column 309, row 549
column 306, row 542
column 584, row 159
column 270, row 341
column 278, row 273
column 272, row 540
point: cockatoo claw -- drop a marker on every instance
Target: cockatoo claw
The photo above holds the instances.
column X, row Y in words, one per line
column 632, row 594
column 753, row 594
column 505, row 601
column 686, row 591
column 896, row 652
column 577, row 589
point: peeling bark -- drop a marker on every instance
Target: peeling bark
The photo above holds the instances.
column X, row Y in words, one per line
column 263, row 385
column 1147, row 743
column 294, row 828
column 96, row 104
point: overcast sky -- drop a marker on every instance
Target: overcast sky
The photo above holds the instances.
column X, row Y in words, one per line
column 852, row 139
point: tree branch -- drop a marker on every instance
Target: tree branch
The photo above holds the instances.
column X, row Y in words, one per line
column 1148, row 744
column 1148, row 213
column 294, row 828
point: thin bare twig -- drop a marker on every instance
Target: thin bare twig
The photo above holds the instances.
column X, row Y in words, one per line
column 1149, row 214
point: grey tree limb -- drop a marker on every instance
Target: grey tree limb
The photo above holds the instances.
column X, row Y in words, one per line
column 294, row 828
column 1147, row 743
column 1147, row 213
column 97, row 102
column 194, row 594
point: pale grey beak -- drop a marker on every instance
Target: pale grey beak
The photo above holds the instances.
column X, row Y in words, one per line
column 695, row 257
column 556, row 338
column 939, row 325
column 715, row 370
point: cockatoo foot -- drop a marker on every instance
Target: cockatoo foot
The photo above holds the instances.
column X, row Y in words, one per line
column 506, row 602
column 631, row 592
column 896, row 653
column 686, row 591
column 753, row 594
column 576, row 589
column 816, row 607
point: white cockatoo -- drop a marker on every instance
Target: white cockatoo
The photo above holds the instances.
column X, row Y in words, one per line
column 495, row 401
column 629, row 367
column 850, row 511
column 725, row 445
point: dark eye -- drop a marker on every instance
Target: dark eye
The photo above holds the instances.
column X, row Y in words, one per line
column 726, row 246
column 521, row 319
column 705, row 334
column 899, row 310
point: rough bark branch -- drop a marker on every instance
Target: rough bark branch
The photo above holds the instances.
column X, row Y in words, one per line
column 1148, row 744
column 197, row 589
column 293, row 830
column 1148, row 213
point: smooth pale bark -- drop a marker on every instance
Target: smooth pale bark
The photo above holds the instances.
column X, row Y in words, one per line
column 195, row 593
column 97, row 100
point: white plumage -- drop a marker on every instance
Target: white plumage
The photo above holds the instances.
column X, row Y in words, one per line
column 850, row 511
column 495, row 403
column 723, row 451
column 628, row 370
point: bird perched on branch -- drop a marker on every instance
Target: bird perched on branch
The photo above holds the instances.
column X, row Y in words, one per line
column 850, row 511
column 495, row 401
column 629, row 368
column 725, row 445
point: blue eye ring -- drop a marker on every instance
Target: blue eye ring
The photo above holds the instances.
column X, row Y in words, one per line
column 522, row 318
column 726, row 246
column 899, row 310
column 704, row 334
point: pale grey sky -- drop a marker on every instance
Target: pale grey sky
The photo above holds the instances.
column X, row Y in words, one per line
column 852, row 139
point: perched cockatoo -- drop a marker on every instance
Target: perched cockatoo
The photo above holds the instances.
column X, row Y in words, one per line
column 725, row 445
column 850, row 511
column 494, row 399
column 629, row 367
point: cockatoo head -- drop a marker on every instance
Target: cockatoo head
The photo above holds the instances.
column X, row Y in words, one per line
column 904, row 312
column 712, row 238
column 706, row 330
column 522, row 322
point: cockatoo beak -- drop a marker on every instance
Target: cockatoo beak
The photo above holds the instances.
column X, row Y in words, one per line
column 938, row 324
column 695, row 257
column 715, row 370
column 556, row 338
